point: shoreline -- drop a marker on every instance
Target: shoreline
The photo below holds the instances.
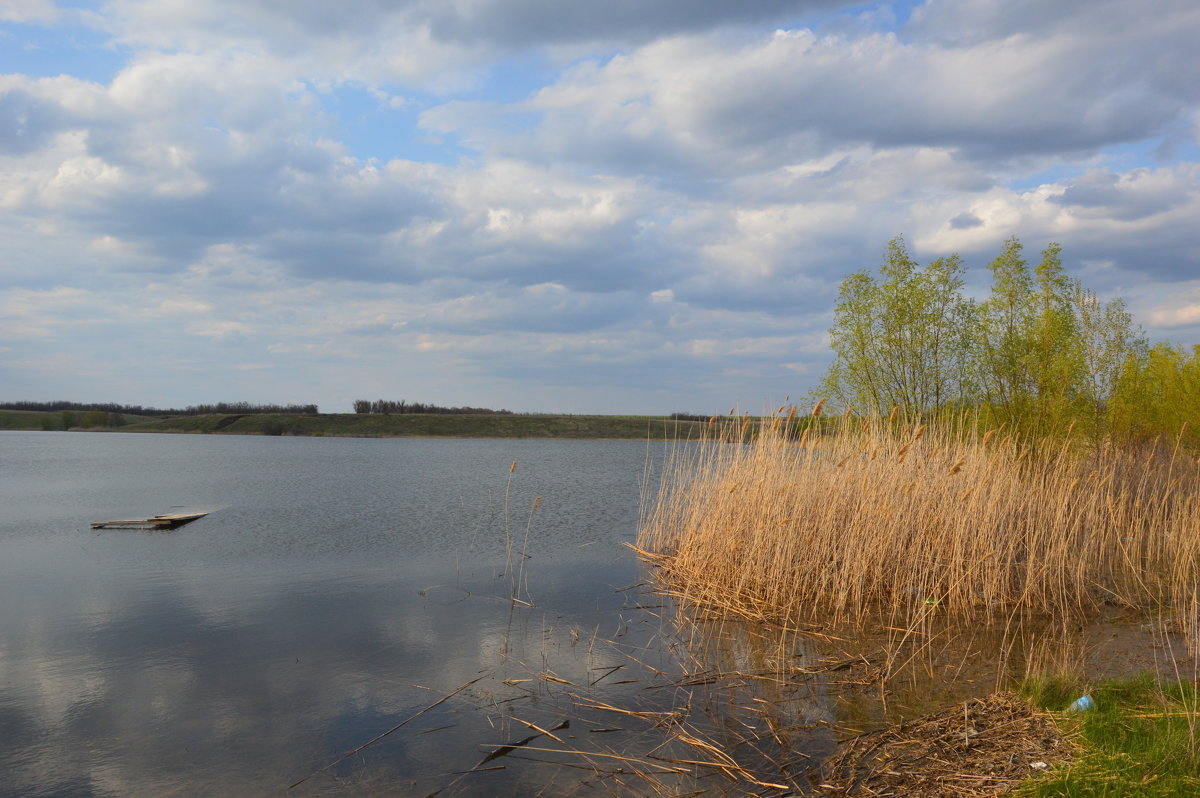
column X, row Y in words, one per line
column 352, row 425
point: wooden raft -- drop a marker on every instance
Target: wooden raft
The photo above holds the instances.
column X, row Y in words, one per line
column 157, row 522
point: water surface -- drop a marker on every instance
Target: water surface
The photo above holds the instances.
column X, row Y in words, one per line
column 339, row 586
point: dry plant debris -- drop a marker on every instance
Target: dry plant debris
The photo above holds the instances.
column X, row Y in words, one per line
column 982, row 747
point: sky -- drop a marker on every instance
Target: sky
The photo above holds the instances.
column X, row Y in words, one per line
column 558, row 206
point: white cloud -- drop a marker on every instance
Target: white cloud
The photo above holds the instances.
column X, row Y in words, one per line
column 1177, row 316
column 714, row 105
column 440, row 45
column 364, row 41
column 29, row 11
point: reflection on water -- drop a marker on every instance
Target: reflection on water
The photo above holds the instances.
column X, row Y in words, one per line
column 343, row 584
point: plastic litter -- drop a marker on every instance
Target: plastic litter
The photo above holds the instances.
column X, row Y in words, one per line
column 1081, row 704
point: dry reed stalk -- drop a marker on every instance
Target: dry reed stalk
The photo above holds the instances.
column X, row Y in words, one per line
column 508, row 542
column 395, row 728
column 522, row 579
column 825, row 529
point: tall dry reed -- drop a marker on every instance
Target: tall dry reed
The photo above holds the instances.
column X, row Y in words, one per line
column 880, row 519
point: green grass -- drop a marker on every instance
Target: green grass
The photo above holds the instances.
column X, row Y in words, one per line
column 1138, row 740
column 28, row 419
column 429, row 425
column 48, row 419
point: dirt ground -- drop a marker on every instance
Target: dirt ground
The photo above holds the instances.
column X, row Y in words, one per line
column 982, row 747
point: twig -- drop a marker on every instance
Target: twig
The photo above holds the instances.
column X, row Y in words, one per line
column 376, row 739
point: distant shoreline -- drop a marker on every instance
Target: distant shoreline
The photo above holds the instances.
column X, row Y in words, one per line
column 362, row 425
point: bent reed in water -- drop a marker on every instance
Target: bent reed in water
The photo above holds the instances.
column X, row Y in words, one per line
column 870, row 518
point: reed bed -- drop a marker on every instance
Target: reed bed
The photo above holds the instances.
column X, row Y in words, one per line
column 876, row 519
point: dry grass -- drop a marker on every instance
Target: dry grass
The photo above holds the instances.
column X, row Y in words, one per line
column 891, row 522
column 983, row 747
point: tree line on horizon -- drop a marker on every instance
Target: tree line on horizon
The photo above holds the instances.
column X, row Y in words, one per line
column 226, row 408
column 387, row 407
column 1041, row 354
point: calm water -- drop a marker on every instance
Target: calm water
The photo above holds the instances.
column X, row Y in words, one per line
column 338, row 587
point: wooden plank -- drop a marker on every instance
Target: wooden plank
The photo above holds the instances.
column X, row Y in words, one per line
column 157, row 522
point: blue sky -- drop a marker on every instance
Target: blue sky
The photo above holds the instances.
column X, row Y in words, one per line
column 557, row 206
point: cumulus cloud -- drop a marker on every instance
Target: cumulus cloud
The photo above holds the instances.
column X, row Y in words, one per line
column 965, row 22
column 716, row 106
column 440, row 45
column 1137, row 220
column 965, row 221
column 1128, row 196
column 29, row 11
column 1179, row 316
column 525, row 23
column 27, row 122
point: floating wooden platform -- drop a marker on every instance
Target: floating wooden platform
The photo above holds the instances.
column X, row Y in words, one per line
column 157, row 522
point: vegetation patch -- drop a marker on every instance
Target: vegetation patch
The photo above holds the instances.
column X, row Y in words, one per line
column 1040, row 354
column 1138, row 739
column 985, row 746
column 884, row 520
column 1024, row 461
column 60, row 420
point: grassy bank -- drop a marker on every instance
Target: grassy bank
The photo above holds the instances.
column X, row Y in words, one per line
column 52, row 420
column 429, row 425
column 871, row 519
column 28, row 419
column 1139, row 739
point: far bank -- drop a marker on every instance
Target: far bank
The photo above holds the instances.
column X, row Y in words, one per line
column 406, row 425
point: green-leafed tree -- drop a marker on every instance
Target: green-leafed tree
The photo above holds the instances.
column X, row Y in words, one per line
column 1158, row 394
column 1006, row 321
column 1055, row 357
column 854, row 379
column 903, row 340
column 951, row 327
column 1041, row 354
column 1109, row 343
column 93, row 418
